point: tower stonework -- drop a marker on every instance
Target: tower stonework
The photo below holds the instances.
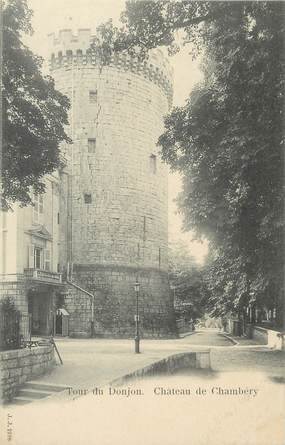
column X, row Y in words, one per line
column 114, row 203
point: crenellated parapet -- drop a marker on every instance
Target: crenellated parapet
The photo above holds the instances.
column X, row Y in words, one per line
column 74, row 50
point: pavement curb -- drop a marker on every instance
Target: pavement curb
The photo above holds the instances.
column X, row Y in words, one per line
column 229, row 338
column 187, row 334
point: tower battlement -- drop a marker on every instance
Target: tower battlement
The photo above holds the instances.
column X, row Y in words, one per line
column 69, row 49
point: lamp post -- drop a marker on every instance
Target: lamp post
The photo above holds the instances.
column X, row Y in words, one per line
column 137, row 336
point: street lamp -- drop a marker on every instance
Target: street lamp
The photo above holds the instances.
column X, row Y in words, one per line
column 137, row 337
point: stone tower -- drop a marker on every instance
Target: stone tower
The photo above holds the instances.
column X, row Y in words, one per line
column 114, row 188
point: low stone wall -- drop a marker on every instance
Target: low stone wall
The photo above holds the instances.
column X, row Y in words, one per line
column 269, row 337
column 260, row 335
column 18, row 366
column 169, row 365
column 276, row 340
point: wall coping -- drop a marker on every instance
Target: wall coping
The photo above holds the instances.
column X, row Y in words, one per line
column 259, row 328
column 271, row 331
column 14, row 353
column 166, row 365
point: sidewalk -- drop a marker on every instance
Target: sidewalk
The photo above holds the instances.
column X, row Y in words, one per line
column 153, row 419
column 89, row 363
column 94, row 363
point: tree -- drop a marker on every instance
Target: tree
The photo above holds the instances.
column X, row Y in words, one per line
column 228, row 143
column 227, row 140
column 186, row 279
column 33, row 112
column 9, row 326
column 147, row 24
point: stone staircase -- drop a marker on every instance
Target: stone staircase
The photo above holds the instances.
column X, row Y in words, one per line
column 36, row 390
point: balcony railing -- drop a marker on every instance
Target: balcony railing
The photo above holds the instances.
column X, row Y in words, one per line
column 43, row 275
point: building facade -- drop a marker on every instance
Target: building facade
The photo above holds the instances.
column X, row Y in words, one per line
column 29, row 245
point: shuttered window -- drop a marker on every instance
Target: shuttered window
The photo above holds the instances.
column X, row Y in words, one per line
column 38, row 257
column 38, row 208
column 47, row 260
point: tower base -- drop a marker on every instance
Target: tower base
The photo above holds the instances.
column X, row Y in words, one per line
column 115, row 303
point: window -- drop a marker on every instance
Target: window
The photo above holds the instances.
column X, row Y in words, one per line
column 91, row 145
column 38, row 254
column 93, row 97
column 58, row 218
column 38, row 207
column 153, row 164
column 87, row 198
column 47, row 259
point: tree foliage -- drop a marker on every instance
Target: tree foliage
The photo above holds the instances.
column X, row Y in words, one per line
column 34, row 112
column 227, row 140
column 187, row 281
column 147, row 24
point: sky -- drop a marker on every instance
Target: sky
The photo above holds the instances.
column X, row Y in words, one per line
column 52, row 15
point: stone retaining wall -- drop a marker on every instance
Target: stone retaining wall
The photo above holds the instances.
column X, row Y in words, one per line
column 276, row 340
column 264, row 336
column 273, row 339
column 260, row 335
column 169, row 365
column 18, row 366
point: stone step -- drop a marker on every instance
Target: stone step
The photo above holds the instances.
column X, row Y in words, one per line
column 33, row 393
column 35, row 390
column 21, row 400
column 49, row 387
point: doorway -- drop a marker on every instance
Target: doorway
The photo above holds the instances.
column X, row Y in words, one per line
column 40, row 311
column 62, row 322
